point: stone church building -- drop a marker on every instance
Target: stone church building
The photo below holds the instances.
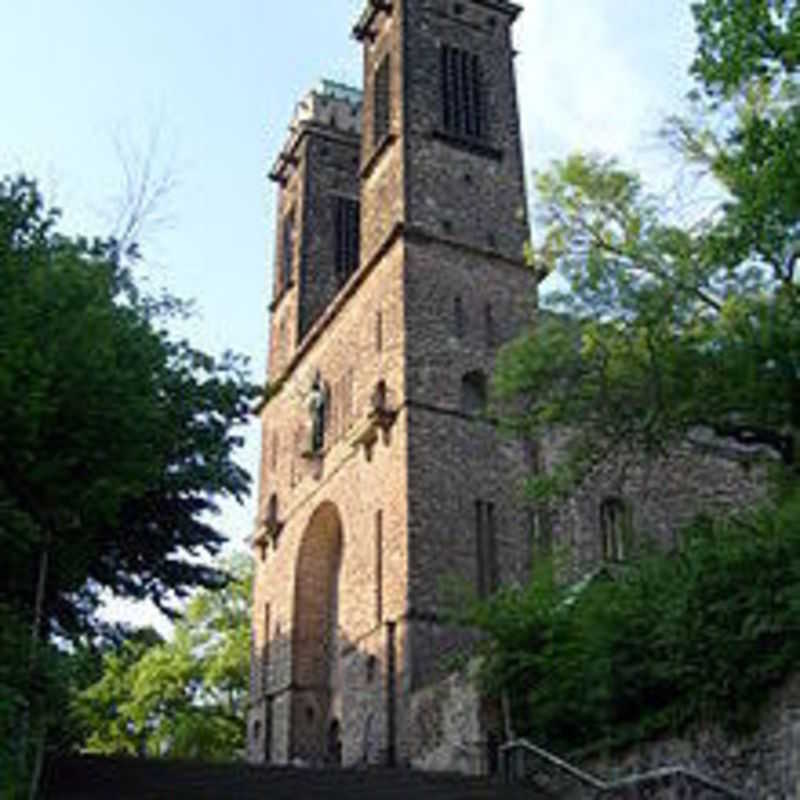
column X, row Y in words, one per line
column 401, row 226
column 399, row 272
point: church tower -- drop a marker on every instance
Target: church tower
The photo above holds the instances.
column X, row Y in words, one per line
column 399, row 272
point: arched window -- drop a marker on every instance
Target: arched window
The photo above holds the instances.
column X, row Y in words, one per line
column 379, row 397
column 288, row 249
column 614, row 528
column 271, row 522
column 272, row 509
column 489, row 325
column 458, row 317
column 382, row 103
column 473, row 392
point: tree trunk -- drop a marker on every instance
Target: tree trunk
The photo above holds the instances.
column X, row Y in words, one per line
column 37, row 723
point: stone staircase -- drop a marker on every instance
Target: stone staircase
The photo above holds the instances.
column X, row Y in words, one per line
column 94, row 778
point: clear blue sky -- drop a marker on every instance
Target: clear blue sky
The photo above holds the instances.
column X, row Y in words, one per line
column 218, row 81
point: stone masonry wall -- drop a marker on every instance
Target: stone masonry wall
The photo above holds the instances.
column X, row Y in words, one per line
column 472, row 191
column 661, row 495
column 455, row 458
column 359, row 484
column 333, row 159
column 764, row 765
column 383, row 166
column 284, row 318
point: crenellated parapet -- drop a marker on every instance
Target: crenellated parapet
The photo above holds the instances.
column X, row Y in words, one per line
column 331, row 107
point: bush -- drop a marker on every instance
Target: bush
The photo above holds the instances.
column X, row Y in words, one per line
column 693, row 637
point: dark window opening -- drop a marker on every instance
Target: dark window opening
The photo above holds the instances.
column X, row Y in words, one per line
column 458, row 317
column 379, row 396
column 479, row 549
column 463, row 106
column 372, row 667
column 347, row 228
column 378, row 567
column 541, row 526
column 473, row 393
column 272, row 509
column 614, row 528
column 486, row 547
column 382, row 109
column 489, row 324
column 288, row 250
column 265, row 654
column 491, row 547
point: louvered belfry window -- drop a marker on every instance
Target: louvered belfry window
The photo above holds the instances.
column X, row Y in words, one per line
column 346, row 212
column 382, row 110
column 463, row 107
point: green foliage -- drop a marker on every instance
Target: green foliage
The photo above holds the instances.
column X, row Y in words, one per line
column 671, row 327
column 13, row 688
column 676, row 640
column 184, row 698
column 115, row 440
column 742, row 40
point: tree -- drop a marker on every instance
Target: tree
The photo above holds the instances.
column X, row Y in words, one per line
column 116, row 440
column 183, row 698
column 699, row 640
column 674, row 329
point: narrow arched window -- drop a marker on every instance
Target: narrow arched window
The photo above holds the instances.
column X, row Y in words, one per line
column 288, row 249
column 458, row 317
column 489, row 326
column 379, row 397
column 473, row 392
column 614, row 529
column 272, row 509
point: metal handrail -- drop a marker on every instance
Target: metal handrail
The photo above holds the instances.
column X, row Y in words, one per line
column 660, row 774
column 564, row 766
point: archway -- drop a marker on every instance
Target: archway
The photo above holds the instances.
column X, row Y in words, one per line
column 315, row 639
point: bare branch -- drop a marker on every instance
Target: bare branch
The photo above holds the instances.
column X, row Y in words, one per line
column 148, row 179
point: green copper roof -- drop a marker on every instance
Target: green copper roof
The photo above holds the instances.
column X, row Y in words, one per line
column 341, row 91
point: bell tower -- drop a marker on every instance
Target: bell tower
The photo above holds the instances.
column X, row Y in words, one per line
column 443, row 185
column 317, row 230
column 399, row 273
column 441, row 152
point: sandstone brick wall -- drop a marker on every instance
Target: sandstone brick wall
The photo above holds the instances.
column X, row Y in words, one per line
column 357, row 486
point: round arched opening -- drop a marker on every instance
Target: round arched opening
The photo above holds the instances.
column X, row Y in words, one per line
column 315, row 638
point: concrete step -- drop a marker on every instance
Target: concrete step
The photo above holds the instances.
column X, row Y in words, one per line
column 94, row 778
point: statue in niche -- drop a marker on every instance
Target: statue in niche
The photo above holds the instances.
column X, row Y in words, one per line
column 317, row 405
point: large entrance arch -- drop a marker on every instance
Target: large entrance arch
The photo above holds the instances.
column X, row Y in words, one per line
column 315, row 640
